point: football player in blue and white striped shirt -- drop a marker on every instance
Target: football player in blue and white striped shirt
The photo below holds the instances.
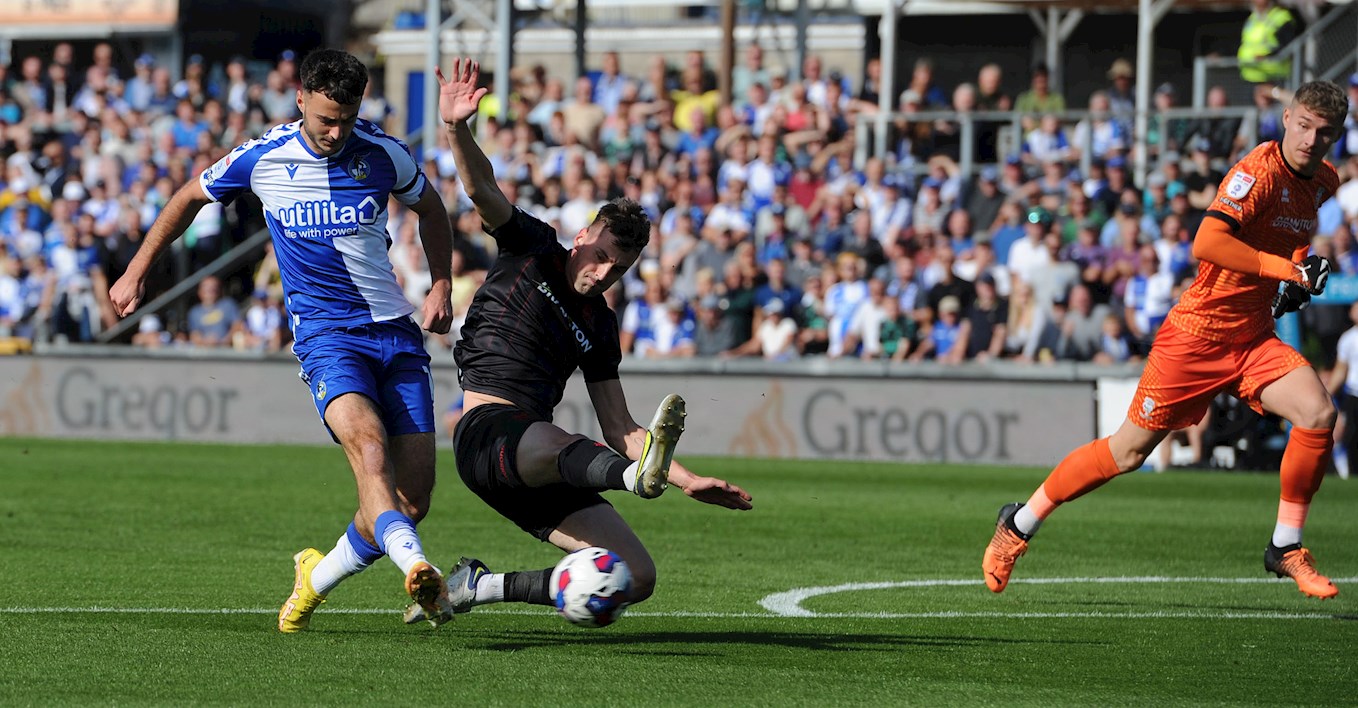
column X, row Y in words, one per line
column 324, row 183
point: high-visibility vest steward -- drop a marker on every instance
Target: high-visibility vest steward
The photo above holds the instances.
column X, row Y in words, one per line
column 1259, row 39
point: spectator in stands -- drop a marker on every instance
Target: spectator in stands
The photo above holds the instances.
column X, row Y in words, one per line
column 775, row 337
column 922, row 83
column 262, row 328
column 671, row 335
column 1102, row 132
column 610, row 84
column 214, row 319
column 1047, row 142
column 842, row 298
column 1055, row 276
column 984, row 199
column 1115, row 347
column 990, row 95
column 945, row 283
column 1025, row 325
column 870, row 90
column 1270, row 119
column 1202, row 179
column 812, row 316
column 1165, row 134
column 1121, row 94
column 737, row 292
column 1039, row 99
column 948, row 133
column 863, row 336
column 1222, row 133
column 1347, row 146
column 987, row 321
column 1082, row 329
column 11, row 294
column 1029, row 254
column 75, row 292
column 1149, row 295
column 750, row 72
column 945, row 338
column 1120, row 260
column 713, row 334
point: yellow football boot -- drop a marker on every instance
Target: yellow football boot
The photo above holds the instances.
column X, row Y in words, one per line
column 296, row 612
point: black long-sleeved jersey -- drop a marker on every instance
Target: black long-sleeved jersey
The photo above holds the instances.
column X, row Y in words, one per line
column 528, row 330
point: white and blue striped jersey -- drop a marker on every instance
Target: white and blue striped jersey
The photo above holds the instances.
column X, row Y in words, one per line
column 328, row 219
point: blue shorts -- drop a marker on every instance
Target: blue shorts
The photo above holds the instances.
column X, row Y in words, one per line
column 384, row 361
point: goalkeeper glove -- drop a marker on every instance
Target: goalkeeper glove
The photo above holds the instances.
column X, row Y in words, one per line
column 1292, row 298
column 1315, row 273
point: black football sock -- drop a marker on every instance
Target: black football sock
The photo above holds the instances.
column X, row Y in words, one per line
column 592, row 465
column 528, row 586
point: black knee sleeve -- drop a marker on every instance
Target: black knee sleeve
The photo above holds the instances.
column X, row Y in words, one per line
column 591, row 465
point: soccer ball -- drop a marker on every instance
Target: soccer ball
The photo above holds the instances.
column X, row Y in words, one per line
column 590, row 587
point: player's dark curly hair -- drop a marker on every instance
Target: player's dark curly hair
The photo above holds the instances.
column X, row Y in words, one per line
column 339, row 75
column 627, row 222
column 1325, row 99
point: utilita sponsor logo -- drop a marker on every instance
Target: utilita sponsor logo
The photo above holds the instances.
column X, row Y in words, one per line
column 578, row 333
column 324, row 214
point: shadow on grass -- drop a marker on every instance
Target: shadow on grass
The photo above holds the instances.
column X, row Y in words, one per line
column 809, row 641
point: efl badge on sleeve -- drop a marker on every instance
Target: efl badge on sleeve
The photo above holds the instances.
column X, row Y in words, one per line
column 1239, row 185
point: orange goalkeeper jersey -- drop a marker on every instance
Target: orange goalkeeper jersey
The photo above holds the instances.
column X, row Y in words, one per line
column 1271, row 208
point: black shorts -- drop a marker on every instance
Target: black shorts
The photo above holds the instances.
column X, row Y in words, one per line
column 486, row 443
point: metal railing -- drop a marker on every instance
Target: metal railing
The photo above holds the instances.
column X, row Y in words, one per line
column 871, row 132
column 237, row 256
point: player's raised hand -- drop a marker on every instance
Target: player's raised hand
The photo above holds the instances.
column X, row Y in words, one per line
column 438, row 308
column 711, row 490
column 126, row 294
column 459, row 95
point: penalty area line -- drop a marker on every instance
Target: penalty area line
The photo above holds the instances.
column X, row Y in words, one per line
column 789, row 603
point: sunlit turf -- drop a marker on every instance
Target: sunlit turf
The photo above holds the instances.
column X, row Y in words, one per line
column 118, row 557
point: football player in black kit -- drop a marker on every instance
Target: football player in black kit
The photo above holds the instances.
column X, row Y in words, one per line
column 538, row 316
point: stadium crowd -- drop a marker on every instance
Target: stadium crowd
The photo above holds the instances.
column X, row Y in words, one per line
column 767, row 240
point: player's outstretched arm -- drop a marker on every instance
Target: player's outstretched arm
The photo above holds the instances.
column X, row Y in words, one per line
column 459, row 97
column 1217, row 244
column 710, row 490
column 126, row 294
column 436, row 233
column 625, row 435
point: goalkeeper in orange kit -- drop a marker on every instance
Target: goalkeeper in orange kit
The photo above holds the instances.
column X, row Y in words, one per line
column 1220, row 338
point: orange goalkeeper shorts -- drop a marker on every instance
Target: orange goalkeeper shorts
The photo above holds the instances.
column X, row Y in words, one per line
column 1185, row 372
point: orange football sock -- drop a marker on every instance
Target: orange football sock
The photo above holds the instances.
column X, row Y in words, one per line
column 1302, row 471
column 1304, row 461
column 1085, row 469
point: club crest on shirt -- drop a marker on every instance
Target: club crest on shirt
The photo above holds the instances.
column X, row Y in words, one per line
column 358, row 168
column 1239, row 185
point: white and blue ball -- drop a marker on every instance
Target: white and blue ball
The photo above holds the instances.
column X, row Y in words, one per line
column 591, row 587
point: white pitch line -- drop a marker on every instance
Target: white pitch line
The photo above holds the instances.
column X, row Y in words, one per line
column 789, row 603
column 544, row 612
column 1186, row 614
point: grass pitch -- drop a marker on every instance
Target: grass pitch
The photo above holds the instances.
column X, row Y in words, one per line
column 151, row 574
